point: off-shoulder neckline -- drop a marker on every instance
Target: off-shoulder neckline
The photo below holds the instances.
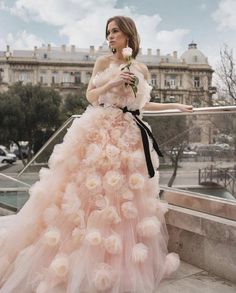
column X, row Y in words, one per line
column 117, row 65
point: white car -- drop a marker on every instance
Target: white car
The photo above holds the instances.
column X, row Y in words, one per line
column 6, row 156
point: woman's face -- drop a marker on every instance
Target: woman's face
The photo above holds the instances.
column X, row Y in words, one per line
column 117, row 39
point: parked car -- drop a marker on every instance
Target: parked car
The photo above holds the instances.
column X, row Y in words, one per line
column 6, row 156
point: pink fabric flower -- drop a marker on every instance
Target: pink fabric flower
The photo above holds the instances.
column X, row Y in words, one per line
column 113, row 180
column 127, row 194
column 139, row 253
column 110, row 214
column 94, row 154
column 78, row 234
column 149, row 227
column 112, row 152
column 50, row 214
column 52, row 236
column 79, row 218
column 113, row 244
column 60, row 265
column 129, row 211
column 103, row 277
column 94, row 237
column 71, row 202
column 136, row 160
column 101, row 201
column 136, row 181
column 93, row 182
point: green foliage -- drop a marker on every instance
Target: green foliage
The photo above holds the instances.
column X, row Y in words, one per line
column 74, row 104
column 27, row 110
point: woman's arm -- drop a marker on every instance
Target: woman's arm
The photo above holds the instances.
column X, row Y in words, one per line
column 152, row 106
column 92, row 92
column 101, row 64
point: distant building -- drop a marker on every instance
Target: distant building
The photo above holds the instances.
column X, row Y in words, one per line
column 186, row 79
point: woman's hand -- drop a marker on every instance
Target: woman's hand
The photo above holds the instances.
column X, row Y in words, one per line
column 184, row 108
column 124, row 77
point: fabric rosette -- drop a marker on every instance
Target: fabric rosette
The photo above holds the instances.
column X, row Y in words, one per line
column 52, row 236
column 113, row 244
column 149, row 227
column 60, row 265
column 94, row 237
column 104, row 277
column 139, row 253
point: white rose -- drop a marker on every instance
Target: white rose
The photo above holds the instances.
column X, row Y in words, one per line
column 60, row 265
column 113, row 244
column 129, row 211
column 139, row 253
column 127, row 52
column 149, row 227
column 94, row 237
column 136, row 181
column 52, row 236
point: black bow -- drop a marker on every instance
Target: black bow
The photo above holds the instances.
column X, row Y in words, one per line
column 145, row 132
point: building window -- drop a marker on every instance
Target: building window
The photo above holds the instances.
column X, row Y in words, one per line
column 43, row 77
column 196, row 81
column 170, row 81
column 77, row 77
column 66, row 77
column 23, row 76
column 55, row 77
column 154, row 80
column 88, row 76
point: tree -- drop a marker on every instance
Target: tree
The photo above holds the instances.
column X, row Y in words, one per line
column 27, row 111
column 75, row 103
column 172, row 136
column 226, row 75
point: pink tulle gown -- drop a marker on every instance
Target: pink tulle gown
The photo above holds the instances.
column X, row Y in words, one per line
column 93, row 222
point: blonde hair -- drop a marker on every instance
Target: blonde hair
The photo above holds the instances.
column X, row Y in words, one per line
column 128, row 27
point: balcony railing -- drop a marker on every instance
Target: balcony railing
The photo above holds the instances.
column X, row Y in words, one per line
column 191, row 143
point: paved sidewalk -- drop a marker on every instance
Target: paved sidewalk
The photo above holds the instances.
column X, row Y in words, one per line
column 190, row 279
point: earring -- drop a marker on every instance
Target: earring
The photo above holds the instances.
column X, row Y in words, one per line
column 127, row 44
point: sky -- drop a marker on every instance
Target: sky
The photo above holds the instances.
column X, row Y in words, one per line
column 168, row 25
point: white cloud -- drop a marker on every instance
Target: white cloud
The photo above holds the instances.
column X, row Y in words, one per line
column 225, row 15
column 171, row 40
column 22, row 40
column 83, row 22
column 57, row 12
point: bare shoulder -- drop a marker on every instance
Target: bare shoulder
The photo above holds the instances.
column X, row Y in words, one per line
column 143, row 68
column 101, row 63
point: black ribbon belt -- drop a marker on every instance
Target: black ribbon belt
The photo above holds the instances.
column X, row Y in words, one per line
column 145, row 132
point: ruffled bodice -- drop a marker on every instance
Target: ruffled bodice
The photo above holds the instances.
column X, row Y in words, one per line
column 122, row 96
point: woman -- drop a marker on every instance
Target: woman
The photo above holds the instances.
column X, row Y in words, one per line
column 94, row 222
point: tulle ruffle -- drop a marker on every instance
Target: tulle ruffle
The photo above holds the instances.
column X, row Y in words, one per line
column 93, row 222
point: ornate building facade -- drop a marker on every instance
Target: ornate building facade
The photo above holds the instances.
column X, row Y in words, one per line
column 184, row 79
